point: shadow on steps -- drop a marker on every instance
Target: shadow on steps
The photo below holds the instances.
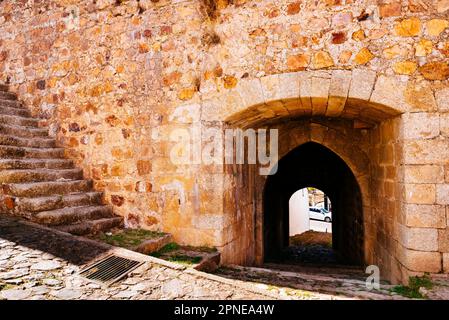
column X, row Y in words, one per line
column 66, row 247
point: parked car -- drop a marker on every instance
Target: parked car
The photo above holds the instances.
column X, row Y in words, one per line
column 320, row 214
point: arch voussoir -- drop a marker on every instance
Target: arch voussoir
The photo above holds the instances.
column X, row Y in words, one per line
column 357, row 94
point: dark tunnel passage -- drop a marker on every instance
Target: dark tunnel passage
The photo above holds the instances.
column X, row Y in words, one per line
column 313, row 165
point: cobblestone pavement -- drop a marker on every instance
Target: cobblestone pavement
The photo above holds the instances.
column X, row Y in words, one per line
column 39, row 263
column 311, row 253
column 291, row 283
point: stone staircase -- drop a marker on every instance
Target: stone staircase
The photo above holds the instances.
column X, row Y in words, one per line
column 38, row 183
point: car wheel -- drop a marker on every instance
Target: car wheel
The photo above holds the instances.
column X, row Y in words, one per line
column 327, row 219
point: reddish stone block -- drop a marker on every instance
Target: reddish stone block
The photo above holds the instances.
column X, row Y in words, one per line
column 143, row 167
column 117, row 200
column 294, row 8
column 339, row 37
column 9, row 202
column 390, row 10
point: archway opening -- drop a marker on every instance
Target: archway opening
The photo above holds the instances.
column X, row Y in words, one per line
column 313, row 165
column 310, row 227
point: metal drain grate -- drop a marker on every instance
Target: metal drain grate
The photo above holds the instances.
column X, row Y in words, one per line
column 110, row 269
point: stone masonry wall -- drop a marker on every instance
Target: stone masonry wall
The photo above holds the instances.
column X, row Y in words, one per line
column 114, row 78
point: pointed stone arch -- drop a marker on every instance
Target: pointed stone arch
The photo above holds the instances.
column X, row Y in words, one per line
column 311, row 164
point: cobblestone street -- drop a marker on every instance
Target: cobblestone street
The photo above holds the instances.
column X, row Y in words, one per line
column 36, row 263
column 39, row 263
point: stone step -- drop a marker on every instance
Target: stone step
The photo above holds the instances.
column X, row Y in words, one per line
column 15, row 111
column 27, row 142
column 72, row 215
column 11, row 103
column 92, row 226
column 38, row 183
column 57, row 202
column 37, row 153
column 6, row 95
column 35, row 164
column 39, row 175
column 4, row 87
column 23, row 131
column 47, row 188
column 19, row 121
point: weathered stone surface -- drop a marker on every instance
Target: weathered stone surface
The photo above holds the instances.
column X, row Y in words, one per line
column 419, row 96
column 442, row 99
column 435, row 71
column 298, row 62
column 442, row 6
column 341, row 19
column 444, row 124
column 345, row 56
column 442, row 191
column 186, row 94
column 322, row 59
column 229, row 82
column 294, row 8
column 338, row 92
column 408, row 27
column 421, row 126
column 435, row 27
column 13, row 274
column 423, row 239
column 339, row 37
column 423, row 174
column 405, row 67
column 426, row 151
column 46, row 265
column 446, row 262
column 420, row 193
column 390, row 9
column 173, row 288
column 363, row 56
column 444, row 48
column 421, row 260
column 362, row 84
column 423, row 48
column 66, row 294
column 51, row 282
column 390, row 91
column 394, row 51
column 359, row 35
column 425, row 216
column 320, row 92
column 150, row 246
column 15, row 294
column 443, row 241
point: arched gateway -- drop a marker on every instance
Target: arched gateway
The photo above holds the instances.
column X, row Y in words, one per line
column 313, row 165
column 352, row 120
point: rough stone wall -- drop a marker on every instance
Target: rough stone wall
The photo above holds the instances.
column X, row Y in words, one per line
column 114, row 78
column 386, row 201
